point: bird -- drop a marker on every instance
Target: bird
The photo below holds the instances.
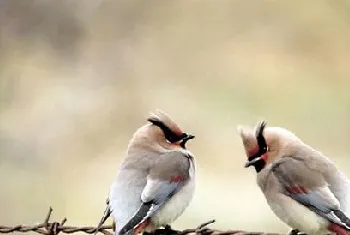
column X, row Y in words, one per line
column 156, row 180
column 303, row 187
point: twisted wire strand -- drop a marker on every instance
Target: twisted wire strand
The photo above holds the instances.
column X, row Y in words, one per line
column 54, row 228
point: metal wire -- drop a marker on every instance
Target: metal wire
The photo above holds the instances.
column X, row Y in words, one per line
column 54, row 228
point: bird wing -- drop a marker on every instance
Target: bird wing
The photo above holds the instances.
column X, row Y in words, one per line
column 309, row 187
column 165, row 178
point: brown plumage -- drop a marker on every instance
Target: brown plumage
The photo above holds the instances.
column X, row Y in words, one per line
column 155, row 182
column 302, row 187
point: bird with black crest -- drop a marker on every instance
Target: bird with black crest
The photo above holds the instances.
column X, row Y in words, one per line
column 302, row 187
column 156, row 181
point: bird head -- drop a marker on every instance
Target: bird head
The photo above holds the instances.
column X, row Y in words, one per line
column 264, row 144
column 165, row 131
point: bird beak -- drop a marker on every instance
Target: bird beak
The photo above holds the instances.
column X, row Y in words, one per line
column 186, row 138
column 252, row 162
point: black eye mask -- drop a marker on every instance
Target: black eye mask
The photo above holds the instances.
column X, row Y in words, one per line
column 256, row 160
column 169, row 134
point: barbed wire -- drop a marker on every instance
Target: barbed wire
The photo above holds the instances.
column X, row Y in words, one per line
column 54, row 228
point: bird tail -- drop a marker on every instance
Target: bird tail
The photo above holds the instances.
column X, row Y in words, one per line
column 343, row 218
column 138, row 219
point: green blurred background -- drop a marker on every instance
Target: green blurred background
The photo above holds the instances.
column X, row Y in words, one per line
column 77, row 78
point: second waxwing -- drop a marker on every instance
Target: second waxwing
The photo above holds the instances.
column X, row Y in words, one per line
column 156, row 180
column 302, row 187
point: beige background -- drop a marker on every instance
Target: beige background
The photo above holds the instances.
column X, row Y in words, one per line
column 77, row 78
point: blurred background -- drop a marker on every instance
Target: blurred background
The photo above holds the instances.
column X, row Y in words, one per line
column 77, row 78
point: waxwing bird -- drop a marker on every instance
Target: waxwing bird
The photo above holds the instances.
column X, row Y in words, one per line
column 302, row 187
column 156, row 180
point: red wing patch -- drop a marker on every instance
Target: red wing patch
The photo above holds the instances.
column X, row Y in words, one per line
column 141, row 227
column 177, row 178
column 337, row 229
column 297, row 189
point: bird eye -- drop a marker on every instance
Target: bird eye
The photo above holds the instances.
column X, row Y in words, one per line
column 169, row 135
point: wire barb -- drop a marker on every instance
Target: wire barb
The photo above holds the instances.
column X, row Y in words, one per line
column 206, row 224
column 105, row 216
column 54, row 228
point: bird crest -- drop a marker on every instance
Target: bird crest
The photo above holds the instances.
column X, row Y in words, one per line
column 159, row 117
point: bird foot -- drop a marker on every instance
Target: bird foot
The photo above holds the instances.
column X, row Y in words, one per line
column 296, row 232
column 167, row 230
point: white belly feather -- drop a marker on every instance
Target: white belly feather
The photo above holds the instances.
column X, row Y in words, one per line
column 298, row 216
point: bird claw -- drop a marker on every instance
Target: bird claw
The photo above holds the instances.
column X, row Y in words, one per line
column 296, row 232
column 166, row 231
column 169, row 230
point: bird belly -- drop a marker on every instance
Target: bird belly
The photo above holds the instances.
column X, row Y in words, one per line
column 298, row 216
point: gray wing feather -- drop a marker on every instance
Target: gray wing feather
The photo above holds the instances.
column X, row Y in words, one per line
column 314, row 199
column 148, row 208
column 159, row 187
column 137, row 218
column 159, row 191
column 312, row 190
